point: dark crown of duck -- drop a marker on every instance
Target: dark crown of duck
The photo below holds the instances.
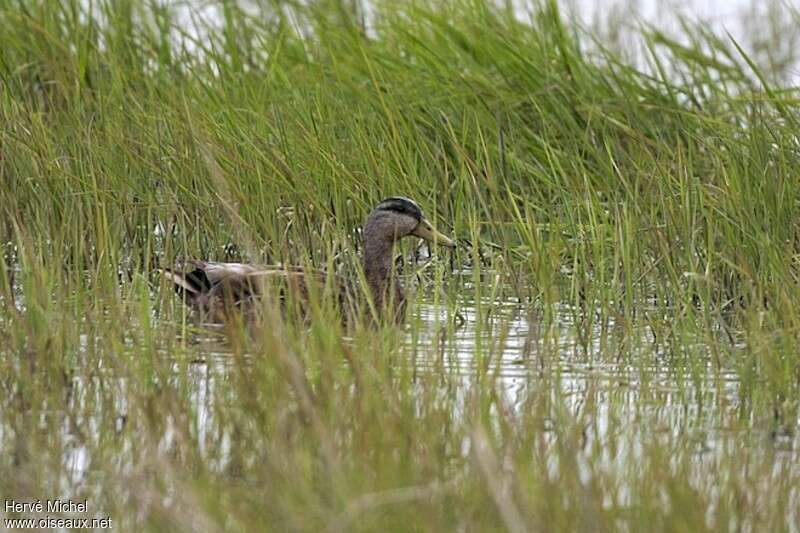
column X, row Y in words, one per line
column 402, row 205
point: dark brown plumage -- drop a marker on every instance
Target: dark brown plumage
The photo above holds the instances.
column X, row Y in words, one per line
column 219, row 289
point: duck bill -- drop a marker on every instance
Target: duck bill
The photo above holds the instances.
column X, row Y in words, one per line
column 427, row 232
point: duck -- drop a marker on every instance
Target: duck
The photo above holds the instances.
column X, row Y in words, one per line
column 220, row 291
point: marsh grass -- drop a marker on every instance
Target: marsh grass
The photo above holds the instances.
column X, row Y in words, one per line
column 639, row 222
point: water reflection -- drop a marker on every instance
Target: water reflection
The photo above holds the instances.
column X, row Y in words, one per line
column 642, row 392
column 507, row 347
column 625, row 406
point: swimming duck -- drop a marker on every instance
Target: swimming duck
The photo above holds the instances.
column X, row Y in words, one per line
column 219, row 289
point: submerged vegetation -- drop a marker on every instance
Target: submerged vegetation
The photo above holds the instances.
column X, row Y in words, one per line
column 627, row 231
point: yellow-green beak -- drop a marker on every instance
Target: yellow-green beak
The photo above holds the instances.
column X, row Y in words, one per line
column 427, row 232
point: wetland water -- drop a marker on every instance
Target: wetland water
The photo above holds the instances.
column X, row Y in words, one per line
column 625, row 396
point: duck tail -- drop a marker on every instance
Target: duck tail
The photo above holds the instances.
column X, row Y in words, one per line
column 188, row 285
